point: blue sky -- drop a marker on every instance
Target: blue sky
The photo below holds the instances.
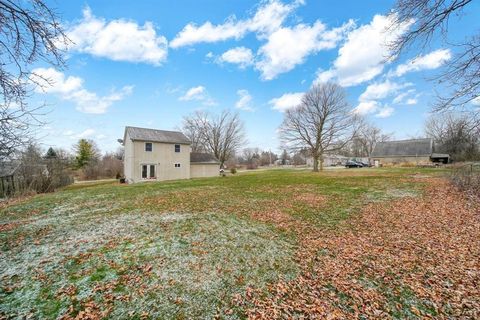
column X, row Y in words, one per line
column 149, row 63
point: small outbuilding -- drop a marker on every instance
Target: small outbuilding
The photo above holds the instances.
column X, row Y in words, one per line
column 203, row 165
column 8, row 178
column 415, row 151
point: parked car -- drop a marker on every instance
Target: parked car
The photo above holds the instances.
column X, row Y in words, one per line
column 365, row 164
column 353, row 164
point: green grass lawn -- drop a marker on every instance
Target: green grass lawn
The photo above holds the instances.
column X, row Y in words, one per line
column 179, row 249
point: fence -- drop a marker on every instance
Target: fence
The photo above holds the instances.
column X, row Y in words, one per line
column 467, row 178
column 35, row 178
column 7, row 186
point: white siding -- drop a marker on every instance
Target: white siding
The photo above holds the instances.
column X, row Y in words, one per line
column 163, row 156
column 202, row 170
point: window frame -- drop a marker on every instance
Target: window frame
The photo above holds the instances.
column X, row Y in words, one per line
column 151, row 146
column 179, row 148
column 148, row 171
column 177, row 165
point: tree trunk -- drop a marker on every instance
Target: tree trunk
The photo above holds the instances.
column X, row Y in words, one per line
column 315, row 163
column 321, row 163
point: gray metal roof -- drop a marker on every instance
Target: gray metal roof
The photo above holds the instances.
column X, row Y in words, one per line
column 154, row 135
column 403, row 148
column 199, row 157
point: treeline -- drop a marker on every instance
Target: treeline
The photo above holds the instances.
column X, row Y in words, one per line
column 35, row 170
column 89, row 164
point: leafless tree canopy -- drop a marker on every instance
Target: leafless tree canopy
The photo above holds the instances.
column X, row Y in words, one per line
column 322, row 123
column 220, row 135
column 433, row 18
column 193, row 127
column 29, row 32
column 368, row 136
column 455, row 134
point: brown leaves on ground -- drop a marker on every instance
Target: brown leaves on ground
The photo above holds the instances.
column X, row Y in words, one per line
column 8, row 226
column 414, row 257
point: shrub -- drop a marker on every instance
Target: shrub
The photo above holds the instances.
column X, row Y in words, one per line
column 233, row 170
column 467, row 179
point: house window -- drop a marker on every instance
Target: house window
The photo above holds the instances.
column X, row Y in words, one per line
column 148, row 146
column 148, row 171
column 177, row 148
column 152, row 171
column 177, row 165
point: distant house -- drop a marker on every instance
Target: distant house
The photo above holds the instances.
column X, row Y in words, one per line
column 418, row 151
column 159, row 155
column 329, row 160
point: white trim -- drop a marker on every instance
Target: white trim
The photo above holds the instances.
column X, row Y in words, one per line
column 148, row 171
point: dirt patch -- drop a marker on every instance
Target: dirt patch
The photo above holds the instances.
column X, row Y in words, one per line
column 408, row 258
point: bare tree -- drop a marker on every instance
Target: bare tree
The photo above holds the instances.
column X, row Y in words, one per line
column 251, row 156
column 368, row 136
column 221, row 135
column 29, row 32
column 323, row 122
column 455, row 134
column 431, row 19
column 193, row 127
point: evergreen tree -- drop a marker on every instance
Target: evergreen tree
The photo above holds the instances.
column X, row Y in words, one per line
column 86, row 152
column 51, row 154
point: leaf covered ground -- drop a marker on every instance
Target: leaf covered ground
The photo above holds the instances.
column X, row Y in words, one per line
column 395, row 243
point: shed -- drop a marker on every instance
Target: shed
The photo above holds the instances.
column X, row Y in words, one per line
column 7, row 178
column 418, row 151
column 203, row 165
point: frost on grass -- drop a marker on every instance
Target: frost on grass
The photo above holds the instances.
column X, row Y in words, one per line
column 79, row 254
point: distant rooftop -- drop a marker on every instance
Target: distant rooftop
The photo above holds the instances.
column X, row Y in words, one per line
column 154, row 135
column 202, row 158
column 404, row 148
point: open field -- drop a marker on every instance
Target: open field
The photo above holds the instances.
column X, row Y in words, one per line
column 360, row 243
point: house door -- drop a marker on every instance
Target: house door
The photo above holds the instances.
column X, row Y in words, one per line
column 148, row 171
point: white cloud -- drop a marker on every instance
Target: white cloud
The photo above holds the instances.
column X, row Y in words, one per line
column 429, row 61
column 324, row 76
column 385, row 112
column 245, row 100
column 366, row 107
column 198, row 93
column 411, row 101
column 49, row 80
column 286, row 101
column 288, row 47
column 402, row 96
column 364, row 53
column 194, row 93
column 85, row 134
column 118, row 40
column 376, row 91
column 268, row 17
column 476, row 101
column 239, row 55
column 68, row 133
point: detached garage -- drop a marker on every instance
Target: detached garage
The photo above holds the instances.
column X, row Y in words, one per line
column 203, row 165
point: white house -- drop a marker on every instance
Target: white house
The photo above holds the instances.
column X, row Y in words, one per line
column 160, row 155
